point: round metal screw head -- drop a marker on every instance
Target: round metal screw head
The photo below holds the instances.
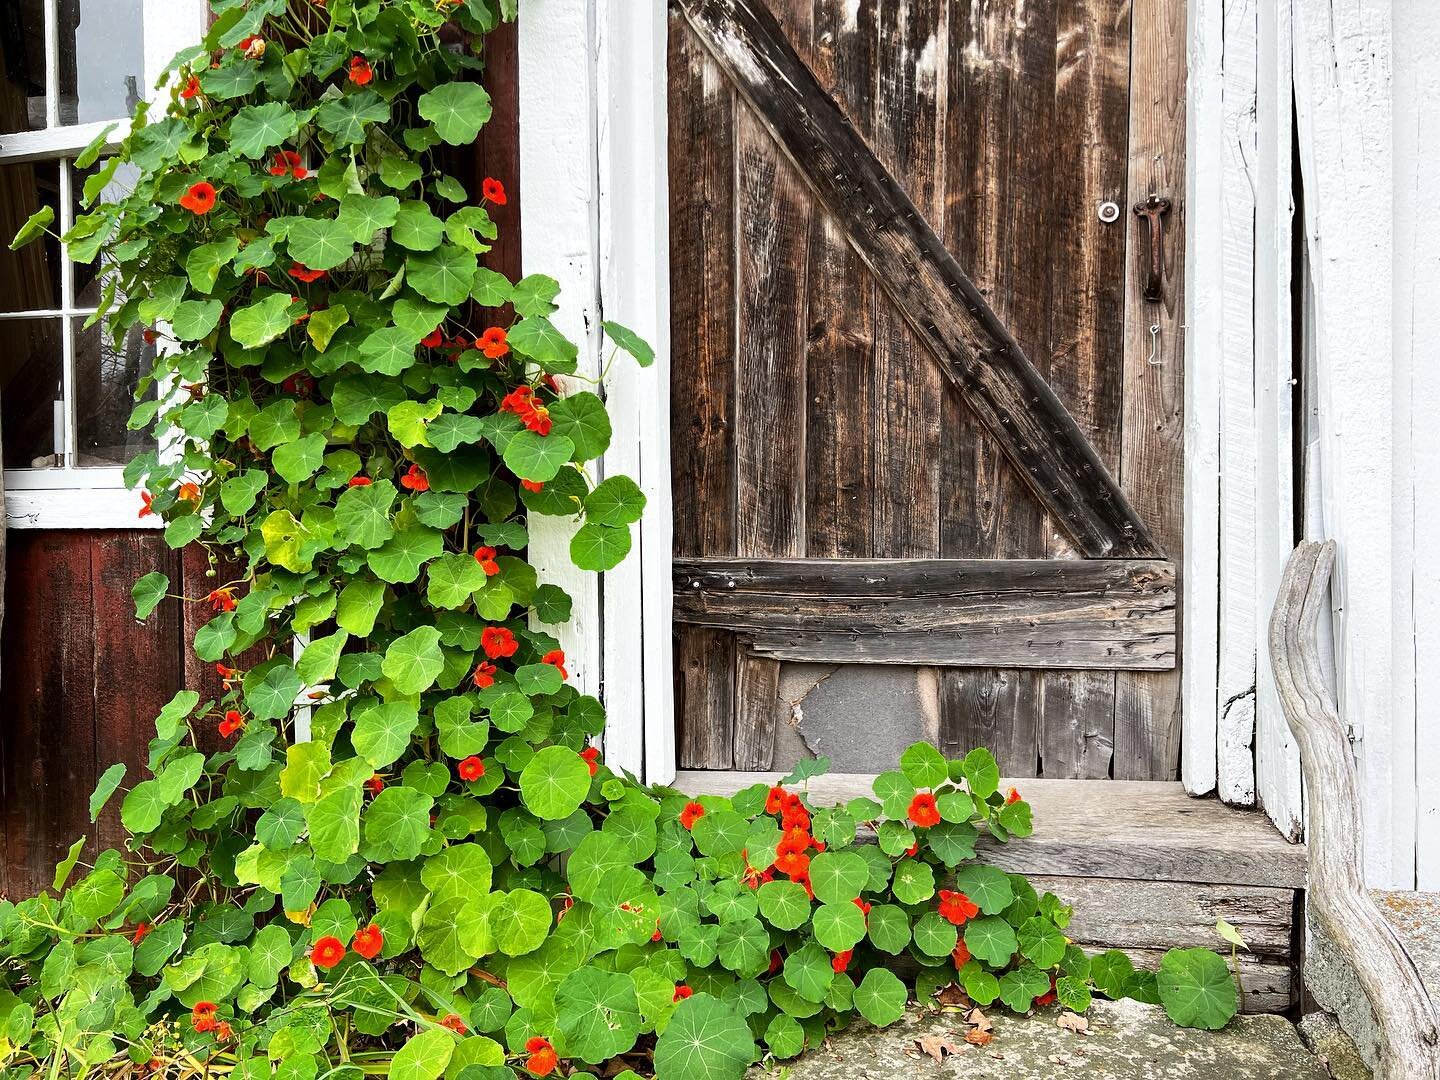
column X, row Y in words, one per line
column 1109, row 211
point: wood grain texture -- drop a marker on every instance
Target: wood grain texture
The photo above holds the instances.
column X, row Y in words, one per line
column 842, row 382
column 907, row 110
column 1087, row 310
column 1407, row 1017
column 1144, row 919
column 772, row 226
column 1001, row 135
column 138, row 666
column 83, row 684
column 973, row 612
column 1152, row 459
column 911, row 263
column 49, row 730
column 702, row 389
column 1144, row 830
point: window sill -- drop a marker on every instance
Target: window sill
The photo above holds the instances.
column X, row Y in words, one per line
column 98, row 503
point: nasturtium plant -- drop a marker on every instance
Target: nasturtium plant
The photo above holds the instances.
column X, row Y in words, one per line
column 362, row 421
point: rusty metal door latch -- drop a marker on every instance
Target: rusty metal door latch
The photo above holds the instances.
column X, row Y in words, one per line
column 1153, row 211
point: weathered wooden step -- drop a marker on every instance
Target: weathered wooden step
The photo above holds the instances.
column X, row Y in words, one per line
column 1146, row 867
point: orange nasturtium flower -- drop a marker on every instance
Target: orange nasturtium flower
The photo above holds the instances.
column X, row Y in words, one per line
column 327, row 952
column 493, row 343
column 222, row 599
column 484, row 675
column 556, row 658
column 923, row 811
column 415, row 479
column 471, row 769
column 485, row 556
column 203, row 1016
column 493, row 191
column 455, row 1024
column 188, row 493
column 360, row 71
column 692, row 813
column 289, row 163
column 200, row 198
column 591, row 754
column 543, row 1059
column 1013, row 797
column 232, row 723
column 498, row 642
column 192, row 89
column 368, row 941
column 957, row 908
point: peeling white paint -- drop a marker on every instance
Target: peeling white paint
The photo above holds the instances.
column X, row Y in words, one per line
column 851, row 16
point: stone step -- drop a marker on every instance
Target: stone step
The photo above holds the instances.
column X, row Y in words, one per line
column 1124, row 1040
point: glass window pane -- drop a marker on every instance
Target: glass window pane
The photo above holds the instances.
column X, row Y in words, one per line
column 31, row 390
column 90, row 277
column 106, row 375
column 22, row 54
column 102, row 58
column 30, row 277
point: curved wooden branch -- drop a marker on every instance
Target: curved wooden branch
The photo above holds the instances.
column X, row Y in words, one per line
column 1407, row 1020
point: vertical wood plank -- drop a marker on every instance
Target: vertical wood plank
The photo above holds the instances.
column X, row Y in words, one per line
column 841, row 380
column 1086, row 354
column 1240, row 617
column 908, row 114
column 702, row 387
column 48, row 712
column 136, row 666
column 999, row 132
column 773, row 213
column 1147, row 704
column 1277, row 758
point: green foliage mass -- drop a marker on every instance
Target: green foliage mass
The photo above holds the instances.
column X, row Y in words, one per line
column 346, row 445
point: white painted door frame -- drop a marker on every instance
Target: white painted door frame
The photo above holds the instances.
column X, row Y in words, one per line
column 1239, row 497
column 595, row 213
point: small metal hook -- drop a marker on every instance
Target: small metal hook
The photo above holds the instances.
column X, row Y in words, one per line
column 1154, row 358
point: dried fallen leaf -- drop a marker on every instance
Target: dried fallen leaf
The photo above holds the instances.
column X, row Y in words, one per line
column 979, row 1020
column 952, row 995
column 1069, row 1021
column 978, row 1037
column 937, row 1046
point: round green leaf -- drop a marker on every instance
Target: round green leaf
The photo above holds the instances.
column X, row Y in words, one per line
column 880, row 997
column 1197, row 989
column 599, row 547
column 554, row 783
column 598, row 1013
column 424, row 1057
column 706, row 1039
column 991, row 939
column 785, row 904
column 838, row 877
column 839, row 927
column 458, row 110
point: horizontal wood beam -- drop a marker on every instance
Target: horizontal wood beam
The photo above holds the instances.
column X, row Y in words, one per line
column 1034, row 613
column 911, row 263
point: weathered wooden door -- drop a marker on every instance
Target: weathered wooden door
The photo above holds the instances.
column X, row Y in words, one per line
column 926, row 444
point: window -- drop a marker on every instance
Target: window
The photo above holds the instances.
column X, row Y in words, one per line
column 69, row 69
